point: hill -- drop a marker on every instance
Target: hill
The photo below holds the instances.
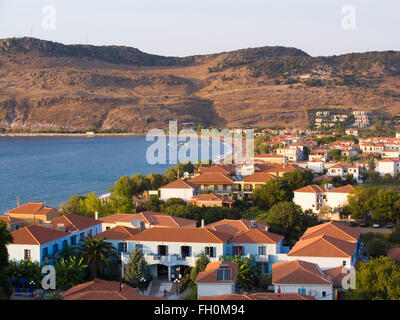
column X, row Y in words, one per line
column 51, row 86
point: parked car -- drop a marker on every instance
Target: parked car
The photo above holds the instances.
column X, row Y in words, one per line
column 376, row 225
column 352, row 224
column 363, row 224
column 389, row 225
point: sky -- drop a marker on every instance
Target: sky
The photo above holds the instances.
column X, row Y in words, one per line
column 189, row 27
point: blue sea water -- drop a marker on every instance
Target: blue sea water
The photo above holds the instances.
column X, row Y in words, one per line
column 52, row 169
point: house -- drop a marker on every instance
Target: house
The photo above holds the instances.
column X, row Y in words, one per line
column 325, row 251
column 302, row 277
column 33, row 213
column 391, row 154
column 338, row 197
column 388, row 166
column 270, row 158
column 145, row 220
column 217, row 279
column 169, row 251
column 237, row 226
column 12, row 223
column 292, row 153
column 341, row 170
column 180, row 189
column 280, row 169
column 104, row 290
column 311, row 197
column 37, row 243
column 251, row 183
column 351, row 132
column 210, row 200
column 79, row 227
column 214, row 182
column 316, row 166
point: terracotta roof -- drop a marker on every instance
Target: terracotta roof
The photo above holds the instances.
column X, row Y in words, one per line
column 31, row 208
column 311, row 189
column 323, row 177
column 8, row 219
column 119, row 217
column 36, row 235
column 298, row 272
column 337, row 275
column 118, row 233
column 260, row 296
column 260, row 177
column 236, row 226
column 209, row 275
column 211, row 178
column 183, row 235
column 265, row 155
column 104, row 290
column 169, row 221
column 345, row 189
column 283, row 168
column 333, row 229
column 257, row 236
column 222, row 168
column 394, row 254
column 323, row 246
column 179, row 184
column 74, row 222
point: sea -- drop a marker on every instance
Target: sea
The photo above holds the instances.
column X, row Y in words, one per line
column 52, row 169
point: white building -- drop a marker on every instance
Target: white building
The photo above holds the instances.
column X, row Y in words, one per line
column 388, row 166
column 338, row 197
column 178, row 189
column 310, row 197
column 302, row 277
column 38, row 244
column 218, row 278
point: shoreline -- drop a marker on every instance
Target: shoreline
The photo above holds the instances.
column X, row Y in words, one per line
column 72, row 135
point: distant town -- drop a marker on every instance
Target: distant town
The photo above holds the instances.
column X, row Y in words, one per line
column 310, row 218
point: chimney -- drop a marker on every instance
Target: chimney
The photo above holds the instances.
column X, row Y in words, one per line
column 202, row 223
column 96, row 215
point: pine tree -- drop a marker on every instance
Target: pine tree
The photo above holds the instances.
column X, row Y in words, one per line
column 136, row 270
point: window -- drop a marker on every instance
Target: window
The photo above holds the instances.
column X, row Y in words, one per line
column 262, row 267
column 108, row 228
column 301, row 291
column 55, row 248
column 215, row 187
column 186, row 251
column 210, row 251
column 122, row 247
column 73, row 240
column 162, row 250
column 89, row 232
column 27, row 254
column 224, row 274
column 344, row 263
column 262, row 250
column 139, row 247
column 224, row 187
column 45, row 252
column 323, row 294
column 238, row 250
column 65, row 244
column 81, row 236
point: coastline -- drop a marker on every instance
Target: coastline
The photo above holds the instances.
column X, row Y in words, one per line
column 72, row 135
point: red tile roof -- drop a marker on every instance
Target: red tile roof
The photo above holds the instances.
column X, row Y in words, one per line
column 179, row 184
column 298, row 272
column 211, row 178
column 311, row 189
column 183, row 235
column 8, row 219
column 236, row 226
column 345, row 189
column 333, row 229
column 260, row 177
column 104, row 290
column 31, row 208
column 36, row 235
column 118, row 233
column 74, row 222
column 257, row 236
column 209, row 275
column 323, row 246
column 337, row 275
column 221, row 168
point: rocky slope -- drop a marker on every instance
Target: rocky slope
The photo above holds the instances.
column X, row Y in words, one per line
column 50, row 86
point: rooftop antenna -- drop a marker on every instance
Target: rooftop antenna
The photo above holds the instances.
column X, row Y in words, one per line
column 18, row 199
column 31, row 33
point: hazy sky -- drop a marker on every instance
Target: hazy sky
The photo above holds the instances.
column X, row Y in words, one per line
column 187, row 27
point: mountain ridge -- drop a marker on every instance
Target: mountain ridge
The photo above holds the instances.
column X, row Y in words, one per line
column 46, row 85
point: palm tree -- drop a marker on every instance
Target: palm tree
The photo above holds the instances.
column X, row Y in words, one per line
column 70, row 272
column 247, row 270
column 97, row 253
